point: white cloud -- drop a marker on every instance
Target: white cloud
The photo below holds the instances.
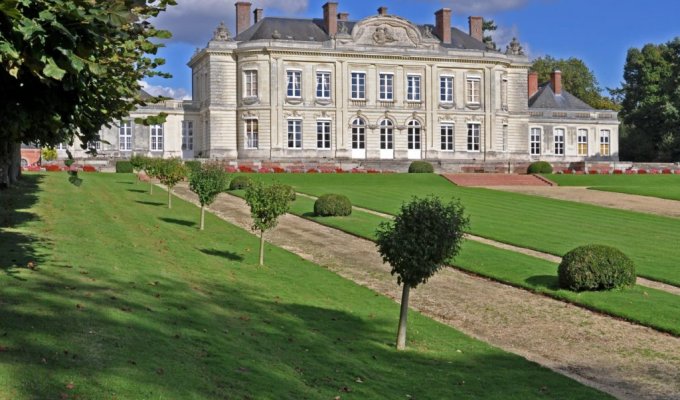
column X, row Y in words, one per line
column 166, row 91
column 477, row 7
column 193, row 21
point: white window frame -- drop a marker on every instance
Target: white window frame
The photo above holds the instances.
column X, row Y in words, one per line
column 605, row 142
column 294, row 134
column 559, row 145
column 125, row 135
column 157, row 137
column 580, row 142
column 323, row 134
column 358, row 85
column 447, row 131
column 251, row 128
column 386, row 86
column 386, row 134
column 414, row 132
column 505, row 138
column 446, row 93
column 294, row 83
column 358, row 130
column 95, row 144
column 473, row 88
column 323, row 84
column 413, row 87
column 250, row 83
column 474, row 137
column 187, row 135
column 535, row 142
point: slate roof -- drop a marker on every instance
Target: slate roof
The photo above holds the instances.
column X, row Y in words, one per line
column 546, row 98
column 312, row 30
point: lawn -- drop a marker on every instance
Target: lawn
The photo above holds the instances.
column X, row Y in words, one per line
column 548, row 225
column 127, row 299
column 662, row 186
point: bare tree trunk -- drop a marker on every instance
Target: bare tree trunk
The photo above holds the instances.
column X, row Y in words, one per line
column 10, row 163
column 169, row 197
column 202, row 216
column 261, row 247
column 150, row 186
column 403, row 315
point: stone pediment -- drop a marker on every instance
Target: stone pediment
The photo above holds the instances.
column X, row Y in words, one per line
column 387, row 31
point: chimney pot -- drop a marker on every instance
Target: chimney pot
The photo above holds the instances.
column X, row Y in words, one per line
column 556, row 80
column 477, row 28
column 258, row 13
column 442, row 27
column 242, row 16
column 382, row 10
column 532, row 87
column 330, row 18
column 343, row 16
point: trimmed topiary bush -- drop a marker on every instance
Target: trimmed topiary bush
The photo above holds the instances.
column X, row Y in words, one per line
column 420, row 167
column 540, row 167
column 332, row 205
column 595, row 267
column 240, row 182
column 123, row 167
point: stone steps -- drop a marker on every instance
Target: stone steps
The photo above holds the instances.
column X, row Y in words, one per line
column 497, row 180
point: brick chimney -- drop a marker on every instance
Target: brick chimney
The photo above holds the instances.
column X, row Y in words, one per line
column 556, row 80
column 242, row 16
column 330, row 18
column 382, row 10
column 259, row 14
column 442, row 27
column 343, row 16
column 476, row 27
column 532, row 87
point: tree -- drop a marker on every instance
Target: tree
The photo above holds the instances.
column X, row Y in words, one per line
column 152, row 168
column 171, row 171
column 651, row 103
column 423, row 236
column 67, row 67
column 48, row 153
column 577, row 79
column 489, row 26
column 207, row 182
column 267, row 204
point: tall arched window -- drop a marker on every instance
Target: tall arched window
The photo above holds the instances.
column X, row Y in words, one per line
column 413, row 135
column 358, row 133
column 386, row 135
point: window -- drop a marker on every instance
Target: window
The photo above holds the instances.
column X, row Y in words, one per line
column 386, row 135
column 323, row 134
column 604, row 142
column 125, row 136
column 446, row 131
column 535, row 141
column 582, row 142
column 252, row 133
column 446, row 89
column 187, row 135
column 323, row 85
column 474, row 137
column 251, row 83
column 413, row 135
column 358, row 88
column 95, row 144
column 413, row 88
column 358, row 134
column 62, row 146
column 156, row 137
column 505, row 137
column 559, row 141
column 473, row 90
column 294, row 83
column 294, row 134
column 386, row 87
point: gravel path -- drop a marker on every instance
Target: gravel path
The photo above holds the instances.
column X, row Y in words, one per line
column 624, row 359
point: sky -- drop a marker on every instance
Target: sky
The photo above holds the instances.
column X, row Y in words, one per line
column 599, row 32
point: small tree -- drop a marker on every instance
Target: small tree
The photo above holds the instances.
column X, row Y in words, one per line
column 207, row 181
column 48, row 153
column 267, row 204
column 171, row 171
column 424, row 235
column 138, row 162
column 151, row 167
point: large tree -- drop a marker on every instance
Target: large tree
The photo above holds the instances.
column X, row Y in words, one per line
column 577, row 79
column 651, row 103
column 67, row 67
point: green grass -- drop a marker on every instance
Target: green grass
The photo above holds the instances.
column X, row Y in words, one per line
column 131, row 301
column 662, row 186
column 646, row 306
column 548, row 225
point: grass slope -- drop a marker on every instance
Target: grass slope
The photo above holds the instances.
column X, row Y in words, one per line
column 131, row 301
column 662, row 186
column 548, row 225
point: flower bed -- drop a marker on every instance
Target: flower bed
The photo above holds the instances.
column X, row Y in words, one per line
column 52, row 168
column 89, row 168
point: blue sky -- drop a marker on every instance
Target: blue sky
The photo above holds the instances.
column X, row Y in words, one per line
column 598, row 31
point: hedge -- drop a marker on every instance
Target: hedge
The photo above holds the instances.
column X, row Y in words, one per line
column 332, row 205
column 420, row 167
column 240, row 182
column 595, row 267
column 123, row 167
column 540, row 167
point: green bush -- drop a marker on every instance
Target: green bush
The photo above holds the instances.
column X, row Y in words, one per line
column 193, row 165
column 595, row 267
column 240, row 182
column 420, row 167
column 540, row 167
column 330, row 205
column 123, row 167
column 290, row 192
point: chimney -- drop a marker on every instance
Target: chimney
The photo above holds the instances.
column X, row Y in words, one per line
column 330, row 18
column 476, row 28
column 258, row 13
column 556, row 80
column 343, row 16
column 442, row 27
column 382, row 11
column 532, row 87
column 242, row 16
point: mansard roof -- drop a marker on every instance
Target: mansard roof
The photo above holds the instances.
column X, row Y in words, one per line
column 546, row 98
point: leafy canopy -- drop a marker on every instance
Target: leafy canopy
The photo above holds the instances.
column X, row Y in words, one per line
column 423, row 236
column 171, row 171
column 207, row 181
column 267, row 204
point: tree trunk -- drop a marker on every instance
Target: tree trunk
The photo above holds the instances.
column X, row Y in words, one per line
column 403, row 315
column 202, row 216
column 150, row 186
column 261, row 247
column 10, row 163
column 169, row 197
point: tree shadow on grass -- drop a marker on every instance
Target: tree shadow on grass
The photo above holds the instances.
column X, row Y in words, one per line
column 138, row 190
column 125, row 183
column 544, row 281
column 229, row 255
column 178, row 221
column 150, row 203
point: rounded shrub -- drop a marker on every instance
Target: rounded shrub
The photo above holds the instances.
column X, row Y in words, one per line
column 332, row 205
column 420, row 167
column 540, row 167
column 240, row 182
column 290, row 192
column 595, row 267
column 124, row 167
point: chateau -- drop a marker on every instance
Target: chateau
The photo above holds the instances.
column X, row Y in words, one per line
column 380, row 88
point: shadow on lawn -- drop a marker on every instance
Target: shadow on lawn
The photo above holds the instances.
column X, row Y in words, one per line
column 150, row 203
column 137, row 190
column 229, row 255
column 544, row 281
column 176, row 221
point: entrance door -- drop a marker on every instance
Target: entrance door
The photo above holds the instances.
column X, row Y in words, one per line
column 187, row 140
column 414, row 141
